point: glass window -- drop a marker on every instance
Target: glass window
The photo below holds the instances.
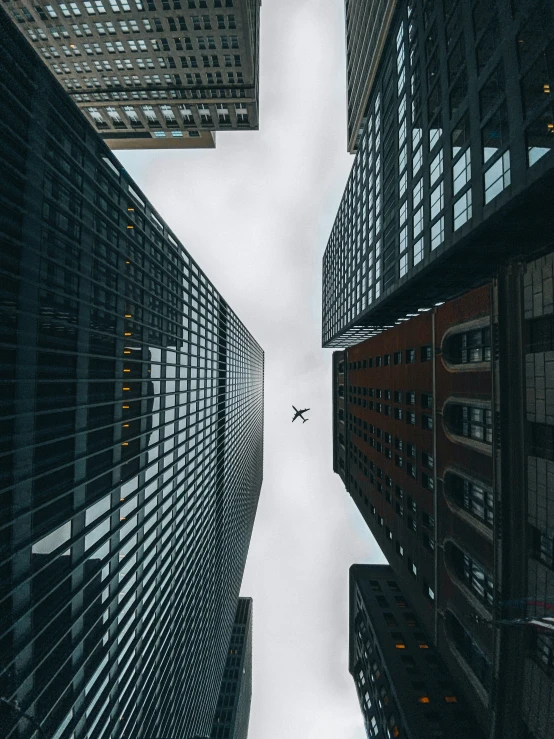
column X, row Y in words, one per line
column 469, row 346
column 437, row 233
column 461, row 171
column 436, row 168
column 470, row 421
column 437, row 200
column 497, row 177
column 462, row 210
column 474, row 497
column 418, row 251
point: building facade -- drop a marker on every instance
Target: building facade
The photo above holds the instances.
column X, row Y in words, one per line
column 453, row 165
column 131, row 440
column 367, row 25
column 443, row 438
column 403, row 685
column 232, row 714
column 152, row 73
column 413, row 445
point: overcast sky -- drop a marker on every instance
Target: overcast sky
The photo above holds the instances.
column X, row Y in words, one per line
column 256, row 213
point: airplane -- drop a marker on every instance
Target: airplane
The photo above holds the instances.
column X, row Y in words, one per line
column 299, row 413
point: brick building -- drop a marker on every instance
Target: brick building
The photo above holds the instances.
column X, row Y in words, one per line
column 413, row 445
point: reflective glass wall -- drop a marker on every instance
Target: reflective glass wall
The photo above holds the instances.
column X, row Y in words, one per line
column 131, row 440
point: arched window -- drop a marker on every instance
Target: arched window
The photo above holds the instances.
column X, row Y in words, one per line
column 469, row 420
column 468, row 344
column 471, row 495
column 471, row 573
column 469, row 650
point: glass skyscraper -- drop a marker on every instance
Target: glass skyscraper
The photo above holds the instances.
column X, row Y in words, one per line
column 233, row 706
column 454, row 162
column 131, row 440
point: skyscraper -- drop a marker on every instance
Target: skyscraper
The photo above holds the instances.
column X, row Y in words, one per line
column 232, row 714
column 152, row 73
column 443, row 436
column 131, row 439
column 403, row 686
column 367, row 25
column 454, row 163
column 413, row 440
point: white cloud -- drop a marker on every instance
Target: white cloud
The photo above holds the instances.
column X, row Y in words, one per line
column 256, row 214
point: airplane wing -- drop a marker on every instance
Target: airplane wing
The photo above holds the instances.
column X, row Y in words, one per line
column 294, row 418
column 295, row 410
column 305, row 410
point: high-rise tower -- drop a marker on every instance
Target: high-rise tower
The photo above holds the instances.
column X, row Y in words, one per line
column 152, row 73
column 454, row 162
column 131, row 439
column 232, row 714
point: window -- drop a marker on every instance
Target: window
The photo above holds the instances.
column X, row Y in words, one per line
column 398, row 414
column 436, row 168
column 425, row 353
column 474, row 497
column 462, row 210
column 497, row 177
column 427, row 520
column 426, row 421
column 397, row 357
column 398, row 639
column 410, row 356
column 461, row 173
column 427, row 481
column 473, row 574
column 437, row 233
column 410, row 418
column 437, row 200
column 470, row 421
column 418, row 251
column 426, row 400
column 469, row 346
column 410, row 397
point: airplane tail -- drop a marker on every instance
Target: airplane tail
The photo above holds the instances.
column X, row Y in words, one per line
column 305, row 419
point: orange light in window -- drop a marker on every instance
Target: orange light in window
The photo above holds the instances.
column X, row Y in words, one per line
column 550, row 127
column 127, row 333
column 546, row 88
column 127, row 262
column 122, row 518
column 72, row 46
column 126, row 388
column 131, row 210
column 125, row 406
column 130, row 226
column 125, row 443
column 395, row 731
column 400, row 646
column 128, row 315
column 126, row 351
column 424, row 699
column 450, row 699
column 126, row 370
column 424, row 646
column 125, row 425
column 122, row 499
